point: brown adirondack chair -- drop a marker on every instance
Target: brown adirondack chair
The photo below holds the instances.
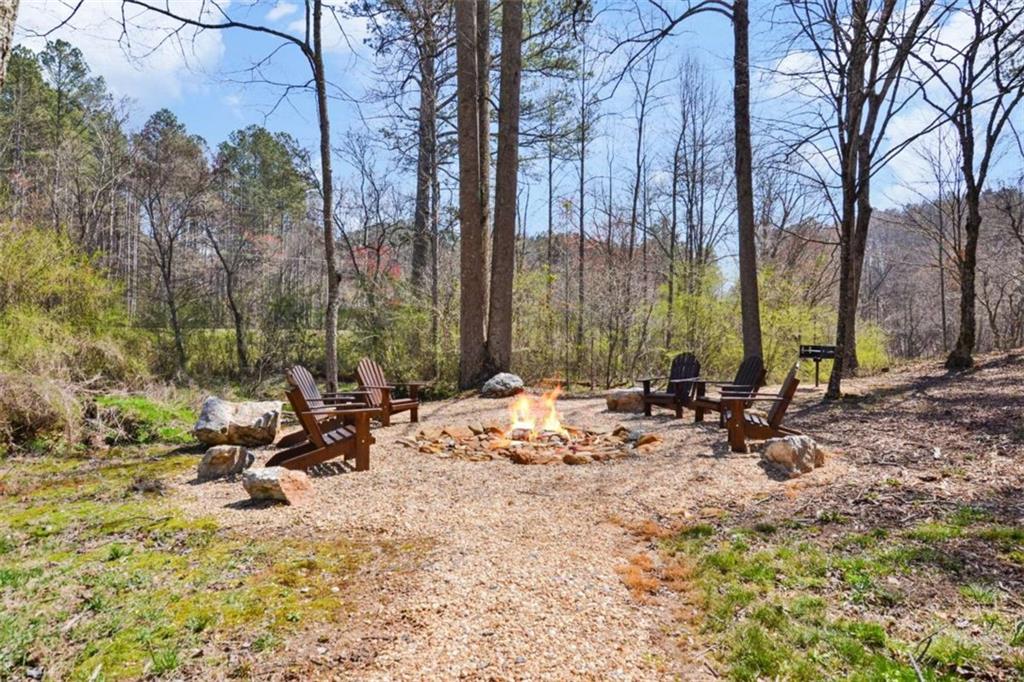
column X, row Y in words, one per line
column 327, row 440
column 347, row 436
column 743, row 425
column 378, row 392
column 680, row 388
column 300, row 378
column 748, row 381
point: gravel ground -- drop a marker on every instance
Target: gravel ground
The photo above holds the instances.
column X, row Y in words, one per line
column 519, row 581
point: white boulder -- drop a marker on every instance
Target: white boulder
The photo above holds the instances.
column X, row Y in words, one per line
column 625, row 400
column 502, row 385
column 224, row 460
column 795, row 455
column 222, row 422
column 277, row 483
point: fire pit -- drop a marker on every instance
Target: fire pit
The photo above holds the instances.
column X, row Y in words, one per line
column 527, row 439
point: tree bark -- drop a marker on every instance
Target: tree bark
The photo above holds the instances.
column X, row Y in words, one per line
column 327, row 189
column 472, row 251
column 749, row 304
column 483, row 94
column 499, row 319
column 8, row 18
column 241, row 347
column 962, row 355
column 425, row 153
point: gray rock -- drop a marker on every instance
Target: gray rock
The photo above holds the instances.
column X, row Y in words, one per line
column 502, row 386
column 222, row 422
column 794, row 455
column 277, row 483
column 224, row 460
column 625, row 400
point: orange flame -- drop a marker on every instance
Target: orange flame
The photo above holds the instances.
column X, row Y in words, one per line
column 551, row 422
column 522, row 414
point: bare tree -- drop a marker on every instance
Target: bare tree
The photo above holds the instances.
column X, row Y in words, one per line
column 849, row 68
column 749, row 306
column 169, row 182
column 981, row 79
column 214, row 15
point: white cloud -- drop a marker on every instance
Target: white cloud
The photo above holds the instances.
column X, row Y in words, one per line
column 341, row 34
column 281, row 10
column 150, row 64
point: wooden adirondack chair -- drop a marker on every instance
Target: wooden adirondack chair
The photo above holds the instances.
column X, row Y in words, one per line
column 378, row 392
column 347, row 436
column 748, row 381
column 298, row 377
column 743, row 425
column 679, row 391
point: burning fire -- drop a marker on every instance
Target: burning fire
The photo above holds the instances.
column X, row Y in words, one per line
column 522, row 413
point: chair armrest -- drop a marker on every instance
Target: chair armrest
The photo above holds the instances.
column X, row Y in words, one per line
column 693, row 380
column 343, row 399
column 345, row 412
column 388, row 387
column 641, row 379
column 343, row 393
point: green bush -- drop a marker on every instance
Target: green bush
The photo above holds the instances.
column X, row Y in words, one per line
column 60, row 316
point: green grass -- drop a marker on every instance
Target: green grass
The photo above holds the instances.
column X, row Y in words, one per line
column 96, row 578
column 775, row 601
column 147, row 421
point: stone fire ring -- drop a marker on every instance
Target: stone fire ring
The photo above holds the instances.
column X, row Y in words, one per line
column 486, row 442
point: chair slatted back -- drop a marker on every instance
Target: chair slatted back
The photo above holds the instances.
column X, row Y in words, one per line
column 309, row 422
column 786, row 394
column 370, row 374
column 750, row 374
column 684, row 366
column 300, row 377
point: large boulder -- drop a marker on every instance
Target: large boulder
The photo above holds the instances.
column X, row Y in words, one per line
column 280, row 484
column 794, row 455
column 222, row 422
column 224, row 460
column 502, row 386
column 625, row 400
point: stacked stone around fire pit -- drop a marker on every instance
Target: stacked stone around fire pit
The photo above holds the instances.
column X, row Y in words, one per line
column 483, row 442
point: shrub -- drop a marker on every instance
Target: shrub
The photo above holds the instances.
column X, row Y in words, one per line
column 36, row 412
column 60, row 316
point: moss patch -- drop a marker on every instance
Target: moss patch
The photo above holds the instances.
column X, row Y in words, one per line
column 137, row 419
column 98, row 582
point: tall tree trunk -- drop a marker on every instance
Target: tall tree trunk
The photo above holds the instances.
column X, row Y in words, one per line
column 8, row 18
column 425, row 154
column 672, row 245
column 241, row 347
column 327, row 185
column 499, row 319
column 580, row 292
column 962, row 355
column 483, row 112
column 473, row 247
column 749, row 304
column 180, row 359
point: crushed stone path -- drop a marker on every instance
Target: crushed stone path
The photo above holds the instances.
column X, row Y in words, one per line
column 519, row 581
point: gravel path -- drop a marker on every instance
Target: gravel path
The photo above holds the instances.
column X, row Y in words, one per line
column 520, row 579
